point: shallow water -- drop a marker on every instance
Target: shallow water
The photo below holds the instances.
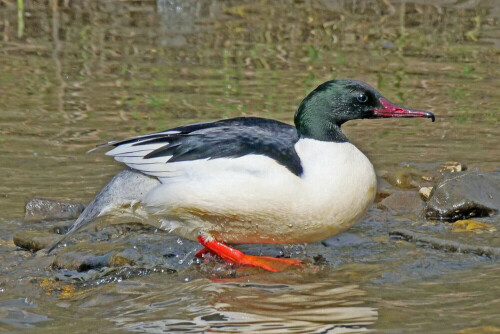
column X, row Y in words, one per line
column 87, row 72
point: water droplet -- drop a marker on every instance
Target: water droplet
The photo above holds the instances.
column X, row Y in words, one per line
column 181, row 261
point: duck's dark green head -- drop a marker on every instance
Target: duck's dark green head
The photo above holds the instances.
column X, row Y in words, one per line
column 335, row 102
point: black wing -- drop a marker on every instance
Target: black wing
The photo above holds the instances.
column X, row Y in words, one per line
column 230, row 138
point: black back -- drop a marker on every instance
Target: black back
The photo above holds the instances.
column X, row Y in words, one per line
column 229, row 138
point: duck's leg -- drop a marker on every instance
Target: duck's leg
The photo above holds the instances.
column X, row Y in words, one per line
column 232, row 255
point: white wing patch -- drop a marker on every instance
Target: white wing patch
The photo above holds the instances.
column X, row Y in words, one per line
column 200, row 170
column 135, row 139
column 133, row 156
column 221, row 169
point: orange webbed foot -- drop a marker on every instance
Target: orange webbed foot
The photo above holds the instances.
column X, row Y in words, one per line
column 232, row 255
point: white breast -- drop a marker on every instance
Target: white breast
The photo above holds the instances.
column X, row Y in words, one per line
column 339, row 185
column 253, row 199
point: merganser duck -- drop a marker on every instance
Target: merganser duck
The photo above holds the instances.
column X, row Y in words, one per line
column 249, row 179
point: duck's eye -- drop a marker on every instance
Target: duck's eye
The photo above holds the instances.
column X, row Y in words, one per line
column 362, row 97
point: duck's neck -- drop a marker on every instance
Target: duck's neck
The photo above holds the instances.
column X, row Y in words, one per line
column 329, row 132
column 314, row 119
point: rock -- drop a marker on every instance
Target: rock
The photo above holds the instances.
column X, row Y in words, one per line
column 464, row 195
column 150, row 250
column 82, row 257
column 129, row 256
column 428, row 178
column 45, row 209
column 403, row 202
column 34, row 241
column 451, row 167
column 445, row 245
column 471, row 225
column 61, row 227
column 163, row 249
column 383, row 189
column 425, row 193
column 345, row 239
column 436, row 175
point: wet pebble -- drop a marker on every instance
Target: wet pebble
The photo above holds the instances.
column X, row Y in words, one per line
column 403, row 202
column 384, row 189
column 83, row 256
column 129, row 256
column 456, row 246
column 402, row 178
column 149, row 251
column 449, row 167
column 452, row 167
column 469, row 225
column 34, row 241
column 425, row 193
column 345, row 240
column 39, row 209
column 464, row 195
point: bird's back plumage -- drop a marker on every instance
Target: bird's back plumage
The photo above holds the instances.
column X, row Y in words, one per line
column 227, row 139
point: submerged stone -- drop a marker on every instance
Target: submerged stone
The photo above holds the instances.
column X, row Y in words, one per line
column 146, row 250
column 384, row 189
column 468, row 225
column 439, row 171
column 452, row 167
column 39, row 209
column 84, row 256
column 402, row 178
column 403, row 202
column 129, row 256
column 444, row 244
column 34, row 241
column 345, row 240
column 464, row 195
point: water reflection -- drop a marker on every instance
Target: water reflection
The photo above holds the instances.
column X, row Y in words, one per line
column 263, row 305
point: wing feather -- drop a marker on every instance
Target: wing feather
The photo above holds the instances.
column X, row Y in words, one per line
column 168, row 153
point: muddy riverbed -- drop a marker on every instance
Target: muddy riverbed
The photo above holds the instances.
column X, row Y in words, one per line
column 76, row 74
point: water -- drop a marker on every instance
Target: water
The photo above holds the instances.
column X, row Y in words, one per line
column 87, row 72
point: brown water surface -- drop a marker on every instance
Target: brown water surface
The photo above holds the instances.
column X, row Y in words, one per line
column 85, row 72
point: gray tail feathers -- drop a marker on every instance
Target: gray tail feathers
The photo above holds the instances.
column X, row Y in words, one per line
column 91, row 212
column 126, row 187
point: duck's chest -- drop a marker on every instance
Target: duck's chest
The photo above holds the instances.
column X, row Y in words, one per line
column 338, row 184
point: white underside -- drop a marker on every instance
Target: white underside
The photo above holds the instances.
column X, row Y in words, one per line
column 253, row 199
